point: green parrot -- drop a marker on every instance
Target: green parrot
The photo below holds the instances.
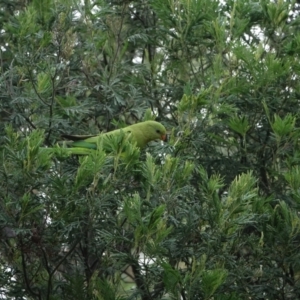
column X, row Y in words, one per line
column 140, row 133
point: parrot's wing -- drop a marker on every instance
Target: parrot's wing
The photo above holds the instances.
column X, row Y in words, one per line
column 84, row 144
column 83, row 141
column 76, row 137
column 79, row 151
column 91, row 141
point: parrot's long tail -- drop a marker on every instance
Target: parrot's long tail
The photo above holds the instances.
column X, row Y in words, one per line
column 62, row 151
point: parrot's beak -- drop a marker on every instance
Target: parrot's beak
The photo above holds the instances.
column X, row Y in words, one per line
column 163, row 137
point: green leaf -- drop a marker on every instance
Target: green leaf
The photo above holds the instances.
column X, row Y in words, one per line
column 212, row 280
column 171, row 277
column 44, row 83
column 283, row 127
column 239, row 125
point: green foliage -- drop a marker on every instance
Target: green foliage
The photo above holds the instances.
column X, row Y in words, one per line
column 171, row 277
column 211, row 214
column 239, row 125
column 212, row 280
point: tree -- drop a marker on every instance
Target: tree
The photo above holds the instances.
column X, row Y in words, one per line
column 213, row 213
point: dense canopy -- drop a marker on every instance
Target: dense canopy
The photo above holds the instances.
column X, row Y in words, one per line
column 212, row 213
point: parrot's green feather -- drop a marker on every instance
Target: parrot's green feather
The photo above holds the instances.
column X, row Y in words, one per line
column 84, row 144
column 140, row 133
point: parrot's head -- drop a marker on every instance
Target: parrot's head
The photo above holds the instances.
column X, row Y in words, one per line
column 156, row 130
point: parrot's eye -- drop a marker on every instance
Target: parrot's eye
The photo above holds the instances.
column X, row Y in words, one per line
column 157, row 131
